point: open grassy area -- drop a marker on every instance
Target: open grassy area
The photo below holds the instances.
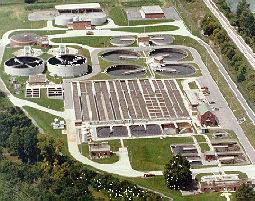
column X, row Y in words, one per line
column 55, row 104
column 204, row 147
column 92, row 41
column 148, row 29
column 44, row 121
column 158, row 184
column 15, row 17
column 115, row 145
column 200, row 138
column 147, row 22
column 152, row 153
column 193, row 85
column 241, row 175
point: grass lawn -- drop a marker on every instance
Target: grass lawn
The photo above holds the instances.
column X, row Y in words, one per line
column 44, row 120
column 199, row 176
column 152, row 153
column 92, row 41
column 204, row 147
column 158, row 184
column 15, row 17
column 55, row 104
column 147, row 29
column 115, row 145
column 241, row 175
column 193, row 85
column 200, row 138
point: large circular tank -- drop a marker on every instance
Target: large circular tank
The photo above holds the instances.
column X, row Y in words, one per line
column 96, row 18
column 162, row 39
column 126, row 71
column 175, row 70
column 120, row 56
column 24, row 39
column 169, row 54
column 67, row 65
column 63, row 20
column 122, row 41
column 24, row 66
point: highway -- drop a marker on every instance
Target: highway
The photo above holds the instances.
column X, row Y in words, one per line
column 232, row 33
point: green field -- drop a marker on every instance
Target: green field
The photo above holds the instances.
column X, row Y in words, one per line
column 204, row 147
column 148, row 29
column 115, row 145
column 92, row 41
column 200, row 138
column 152, row 153
column 193, row 85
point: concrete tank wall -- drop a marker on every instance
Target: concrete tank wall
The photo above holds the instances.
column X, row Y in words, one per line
column 67, row 71
column 11, row 70
column 63, row 20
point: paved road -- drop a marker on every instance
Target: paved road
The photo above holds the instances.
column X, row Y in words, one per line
column 236, row 38
column 225, row 115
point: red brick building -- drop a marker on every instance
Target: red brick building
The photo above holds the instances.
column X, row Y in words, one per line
column 205, row 115
column 81, row 25
column 223, row 185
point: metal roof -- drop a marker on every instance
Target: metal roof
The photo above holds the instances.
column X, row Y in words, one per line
column 152, row 9
column 203, row 108
column 78, row 6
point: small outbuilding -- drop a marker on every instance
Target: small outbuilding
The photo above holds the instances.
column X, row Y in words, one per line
column 152, row 12
column 99, row 150
column 39, row 79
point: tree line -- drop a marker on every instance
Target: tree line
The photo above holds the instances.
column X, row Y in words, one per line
column 44, row 173
column 238, row 66
column 243, row 19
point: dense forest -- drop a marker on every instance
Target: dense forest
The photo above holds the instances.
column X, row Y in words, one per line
column 32, row 166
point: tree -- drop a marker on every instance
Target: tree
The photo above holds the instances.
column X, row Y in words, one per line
column 240, row 77
column 244, row 193
column 177, row 173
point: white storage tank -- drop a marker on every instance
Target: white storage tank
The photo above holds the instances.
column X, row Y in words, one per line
column 96, row 18
column 63, row 20
column 24, row 66
column 67, row 65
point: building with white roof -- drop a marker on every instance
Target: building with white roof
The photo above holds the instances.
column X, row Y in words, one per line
column 79, row 8
column 152, row 12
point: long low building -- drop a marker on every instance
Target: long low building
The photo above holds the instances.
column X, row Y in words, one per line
column 152, row 12
column 79, row 8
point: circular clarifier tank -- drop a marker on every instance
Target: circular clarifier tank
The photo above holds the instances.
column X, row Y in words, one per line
column 126, row 71
column 169, row 54
column 120, row 56
column 175, row 70
column 122, row 41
